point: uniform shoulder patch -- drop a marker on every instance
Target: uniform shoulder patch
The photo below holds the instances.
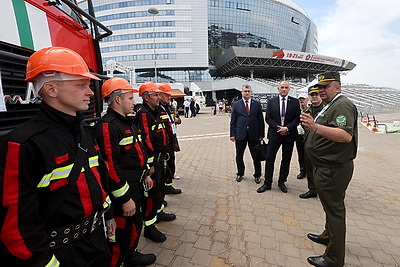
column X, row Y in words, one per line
column 341, row 120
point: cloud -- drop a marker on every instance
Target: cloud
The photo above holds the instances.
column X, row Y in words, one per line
column 366, row 33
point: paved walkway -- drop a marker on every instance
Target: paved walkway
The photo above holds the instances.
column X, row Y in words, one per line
column 224, row 223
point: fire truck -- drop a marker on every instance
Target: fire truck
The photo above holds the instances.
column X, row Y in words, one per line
column 29, row 25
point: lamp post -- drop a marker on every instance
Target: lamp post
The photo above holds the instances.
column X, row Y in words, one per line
column 154, row 11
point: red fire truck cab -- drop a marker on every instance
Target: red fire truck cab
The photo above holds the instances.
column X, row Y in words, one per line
column 29, row 25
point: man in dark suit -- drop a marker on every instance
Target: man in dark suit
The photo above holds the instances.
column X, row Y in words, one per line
column 282, row 117
column 247, row 128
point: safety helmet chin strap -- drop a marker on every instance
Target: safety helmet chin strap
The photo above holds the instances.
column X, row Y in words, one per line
column 50, row 76
column 115, row 93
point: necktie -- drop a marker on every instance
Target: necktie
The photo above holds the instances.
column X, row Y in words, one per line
column 283, row 112
column 247, row 107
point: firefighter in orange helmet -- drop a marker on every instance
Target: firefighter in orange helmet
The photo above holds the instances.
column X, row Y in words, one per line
column 122, row 148
column 156, row 141
column 52, row 189
column 170, row 120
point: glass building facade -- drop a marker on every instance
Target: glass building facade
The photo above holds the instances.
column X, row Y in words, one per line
column 260, row 24
column 184, row 39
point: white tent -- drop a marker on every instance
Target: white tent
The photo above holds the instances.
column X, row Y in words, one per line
column 194, row 87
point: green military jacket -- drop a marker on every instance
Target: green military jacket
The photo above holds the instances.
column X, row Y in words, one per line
column 313, row 111
column 342, row 113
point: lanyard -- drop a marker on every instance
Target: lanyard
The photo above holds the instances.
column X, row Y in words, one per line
column 171, row 120
column 327, row 106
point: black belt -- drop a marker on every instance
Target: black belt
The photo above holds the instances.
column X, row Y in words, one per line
column 64, row 235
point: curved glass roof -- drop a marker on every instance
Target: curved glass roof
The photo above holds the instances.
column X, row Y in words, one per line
column 293, row 5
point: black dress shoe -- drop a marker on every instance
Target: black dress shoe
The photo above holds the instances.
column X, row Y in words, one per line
column 318, row 239
column 301, row 175
column 239, row 178
column 317, row 261
column 264, row 188
column 257, row 179
column 308, row 194
column 283, row 187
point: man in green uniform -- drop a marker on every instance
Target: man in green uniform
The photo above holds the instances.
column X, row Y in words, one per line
column 313, row 110
column 332, row 146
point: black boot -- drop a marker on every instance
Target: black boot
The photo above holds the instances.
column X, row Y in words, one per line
column 152, row 233
column 165, row 217
column 138, row 259
column 170, row 190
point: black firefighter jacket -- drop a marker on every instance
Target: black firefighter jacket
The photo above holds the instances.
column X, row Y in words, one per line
column 122, row 148
column 35, row 161
column 153, row 131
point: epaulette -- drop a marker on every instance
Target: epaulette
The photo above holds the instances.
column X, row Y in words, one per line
column 27, row 130
column 107, row 118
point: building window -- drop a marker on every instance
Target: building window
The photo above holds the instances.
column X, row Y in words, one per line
column 230, row 4
column 138, row 36
column 132, row 3
column 134, row 15
column 214, row 3
column 243, row 6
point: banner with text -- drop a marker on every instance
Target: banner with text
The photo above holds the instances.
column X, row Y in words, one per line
column 309, row 57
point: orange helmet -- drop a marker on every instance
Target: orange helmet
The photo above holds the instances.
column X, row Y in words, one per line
column 165, row 88
column 148, row 87
column 114, row 84
column 58, row 59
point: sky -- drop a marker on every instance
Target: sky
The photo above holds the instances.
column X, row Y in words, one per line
column 365, row 32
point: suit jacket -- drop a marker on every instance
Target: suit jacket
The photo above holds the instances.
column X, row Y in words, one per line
column 292, row 118
column 241, row 123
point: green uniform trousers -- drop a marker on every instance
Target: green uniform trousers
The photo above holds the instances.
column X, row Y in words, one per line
column 310, row 173
column 331, row 184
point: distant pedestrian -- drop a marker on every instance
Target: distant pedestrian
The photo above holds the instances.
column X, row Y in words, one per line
column 192, row 108
column 174, row 105
column 221, row 106
column 213, row 107
column 186, row 105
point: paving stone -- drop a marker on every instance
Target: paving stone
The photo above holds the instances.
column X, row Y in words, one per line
column 219, row 262
column 201, row 257
column 182, row 261
column 185, row 250
column 237, row 258
column 165, row 257
column 203, row 243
